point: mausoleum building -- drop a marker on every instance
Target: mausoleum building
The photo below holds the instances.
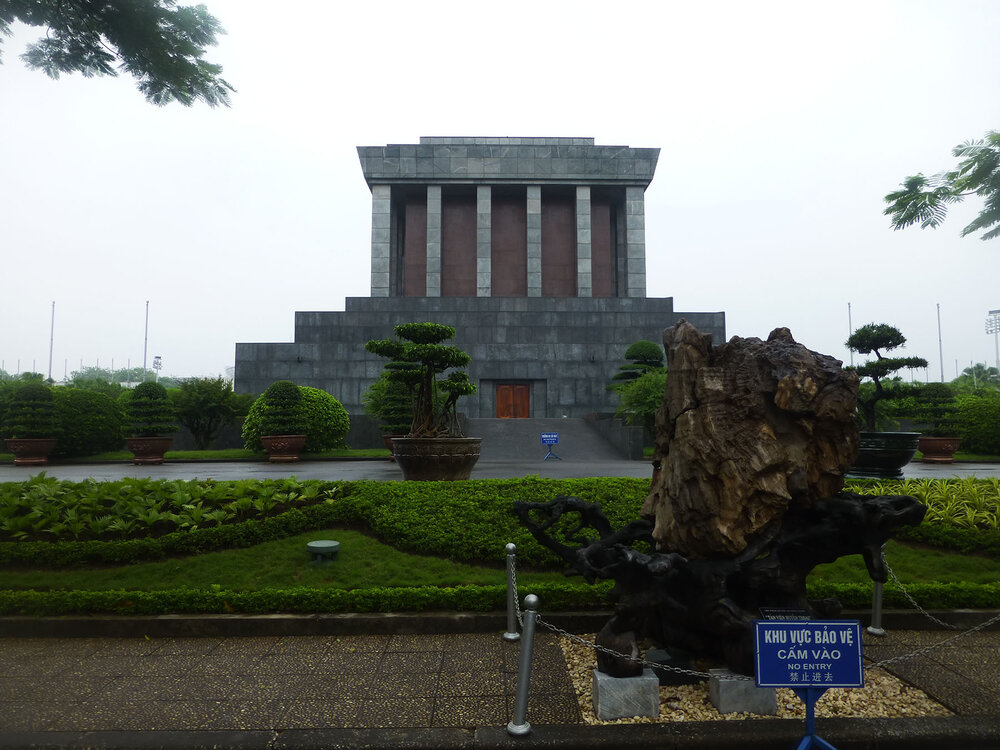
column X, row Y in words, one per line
column 532, row 248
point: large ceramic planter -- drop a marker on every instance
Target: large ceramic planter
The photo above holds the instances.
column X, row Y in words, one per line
column 387, row 442
column 283, row 449
column 939, row 450
column 148, row 451
column 884, row 454
column 31, row 451
column 436, row 459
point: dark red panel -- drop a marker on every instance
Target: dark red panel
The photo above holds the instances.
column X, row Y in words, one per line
column 415, row 248
column 558, row 246
column 601, row 263
column 458, row 246
column 513, row 401
column 509, row 246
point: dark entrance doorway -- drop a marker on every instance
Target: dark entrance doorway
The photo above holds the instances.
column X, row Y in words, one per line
column 513, row 401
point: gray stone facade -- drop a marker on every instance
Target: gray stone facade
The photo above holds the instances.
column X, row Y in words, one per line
column 532, row 248
column 392, row 171
column 565, row 349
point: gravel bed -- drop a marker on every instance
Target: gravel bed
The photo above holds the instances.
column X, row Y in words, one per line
column 883, row 696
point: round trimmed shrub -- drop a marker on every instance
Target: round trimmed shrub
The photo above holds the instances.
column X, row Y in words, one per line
column 91, row 422
column 325, row 421
column 149, row 410
column 31, row 413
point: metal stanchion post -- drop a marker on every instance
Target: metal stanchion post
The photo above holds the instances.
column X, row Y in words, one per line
column 876, row 627
column 511, row 634
column 518, row 725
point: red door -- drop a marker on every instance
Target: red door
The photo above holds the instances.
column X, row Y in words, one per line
column 513, row 401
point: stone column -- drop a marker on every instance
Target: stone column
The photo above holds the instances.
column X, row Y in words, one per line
column 584, row 275
column 534, row 241
column 433, row 241
column 635, row 242
column 484, row 241
column 381, row 242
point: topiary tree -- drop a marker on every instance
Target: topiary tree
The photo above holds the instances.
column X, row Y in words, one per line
column 389, row 401
column 90, row 422
column 30, row 412
column 875, row 338
column 319, row 416
column 643, row 356
column 204, row 406
column 421, row 344
column 149, row 410
column 283, row 412
column 641, row 399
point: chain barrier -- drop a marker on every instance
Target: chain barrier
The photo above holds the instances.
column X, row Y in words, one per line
column 913, row 603
column 705, row 675
column 517, row 597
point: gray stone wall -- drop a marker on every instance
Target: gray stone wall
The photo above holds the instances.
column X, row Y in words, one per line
column 518, row 160
column 567, row 349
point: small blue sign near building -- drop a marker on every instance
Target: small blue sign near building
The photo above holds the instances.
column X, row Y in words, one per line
column 550, row 439
column 809, row 653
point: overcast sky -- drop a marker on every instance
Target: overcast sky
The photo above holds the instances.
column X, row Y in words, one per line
column 781, row 127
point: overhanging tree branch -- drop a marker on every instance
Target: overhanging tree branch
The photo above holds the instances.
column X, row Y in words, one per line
column 158, row 43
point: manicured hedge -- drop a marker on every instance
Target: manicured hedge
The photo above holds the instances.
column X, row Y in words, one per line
column 468, row 521
column 553, row 598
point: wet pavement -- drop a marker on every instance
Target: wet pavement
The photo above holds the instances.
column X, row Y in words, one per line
column 387, row 471
column 413, row 690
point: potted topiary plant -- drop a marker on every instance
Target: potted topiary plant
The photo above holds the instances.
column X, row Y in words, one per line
column 389, row 400
column 30, row 424
column 151, row 415
column 435, row 448
column 279, row 418
column 931, row 407
column 881, row 453
column 283, row 430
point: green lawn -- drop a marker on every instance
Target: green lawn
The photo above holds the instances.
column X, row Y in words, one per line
column 915, row 565
column 363, row 562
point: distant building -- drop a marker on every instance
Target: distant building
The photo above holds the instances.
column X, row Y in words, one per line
column 532, row 248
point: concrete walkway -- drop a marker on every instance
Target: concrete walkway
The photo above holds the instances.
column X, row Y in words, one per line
column 406, row 690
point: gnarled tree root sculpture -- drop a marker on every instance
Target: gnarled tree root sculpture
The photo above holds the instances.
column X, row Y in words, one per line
column 707, row 606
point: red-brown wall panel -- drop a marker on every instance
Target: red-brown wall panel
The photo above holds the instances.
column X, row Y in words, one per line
column 458, row 246
column 415, row 248
column 600, row 247
column 558, row 246
column 509, row 246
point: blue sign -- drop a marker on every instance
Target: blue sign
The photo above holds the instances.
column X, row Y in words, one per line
column 550, row 438
column 808, row 654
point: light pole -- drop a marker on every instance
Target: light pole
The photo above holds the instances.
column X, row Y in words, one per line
column 993, row 326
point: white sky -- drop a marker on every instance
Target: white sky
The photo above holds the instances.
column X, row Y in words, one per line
column 781, row 126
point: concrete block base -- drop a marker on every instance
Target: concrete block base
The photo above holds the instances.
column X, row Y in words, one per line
column 732, row 693
column 622, row 697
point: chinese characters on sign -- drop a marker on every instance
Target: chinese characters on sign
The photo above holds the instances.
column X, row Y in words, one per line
column 813, row 653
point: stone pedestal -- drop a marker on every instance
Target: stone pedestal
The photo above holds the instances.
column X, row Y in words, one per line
column 731, row 693
column 623, row 697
